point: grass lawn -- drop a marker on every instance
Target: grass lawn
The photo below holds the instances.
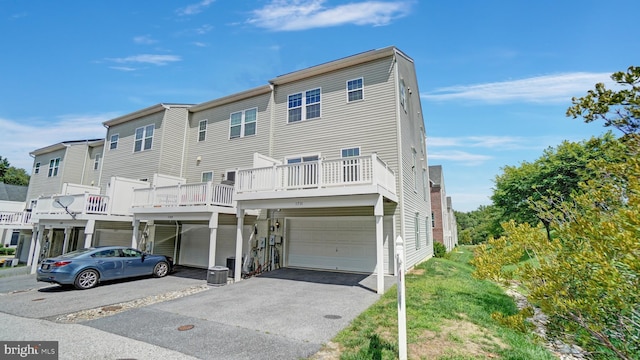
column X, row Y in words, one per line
column 448, row 317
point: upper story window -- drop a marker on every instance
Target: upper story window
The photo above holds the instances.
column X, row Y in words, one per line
column 96, row 162
column 36, row 168
column 230, row 177
column 425, row 181
column 243, row 123
column 54, row 165
column 415, row 170
column 144, row 138
column 207, row 176
column 113, row 141
column 304, row 106
column 403, row 96
column 417, row 225
column 202, row 131
column 355, row 90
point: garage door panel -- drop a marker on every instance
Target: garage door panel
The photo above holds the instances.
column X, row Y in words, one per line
column 332, row 243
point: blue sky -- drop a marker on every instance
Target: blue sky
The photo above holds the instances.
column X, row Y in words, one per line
column 495, row 77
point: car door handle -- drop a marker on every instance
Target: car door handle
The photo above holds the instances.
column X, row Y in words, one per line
column 129, row 261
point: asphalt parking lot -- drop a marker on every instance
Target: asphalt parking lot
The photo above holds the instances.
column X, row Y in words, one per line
column 284, row 314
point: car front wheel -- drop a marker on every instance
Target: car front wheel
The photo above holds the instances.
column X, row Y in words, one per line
column 161, row 269
column 86, row 279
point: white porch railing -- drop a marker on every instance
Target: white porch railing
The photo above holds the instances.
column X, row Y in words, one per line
column 357, row 170
column 81, row 204
column 184, row 195
column 15, row 217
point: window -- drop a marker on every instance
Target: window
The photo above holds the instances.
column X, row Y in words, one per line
column 351, row 167
column 243, row 123
column 14, row 238
column 425, row 181
column 207, row 176
column 354, row 90
column 113, row 141
column 131, row 253
column 403, row 96
column 36, row 168
column 415, row 171
column 54, row 165
column 310, row 103
column 96, row 162
column 417, row 225
column 433, row 220
column 230, row 177
column 202, row 130
column 426, row 230
column 144, row 138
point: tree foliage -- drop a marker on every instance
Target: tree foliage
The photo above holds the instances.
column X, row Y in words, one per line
column 558, row 172
column 477, row 226
column 587, row 278
column 619, row 109
column 12, row 175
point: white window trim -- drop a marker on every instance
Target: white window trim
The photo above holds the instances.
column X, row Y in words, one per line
column 303, row 106
column 206, row 125
column 403, row 95
column 36, row 168
column 243, row 123
column 226, row 174
column 416, row 219
column 350, row 91
column 287, row 158
column 96, row 162
column 144, row 138
column 414, row 169
column 115, row 142
column 206, row 172
column 54, row 167
column 349, row 148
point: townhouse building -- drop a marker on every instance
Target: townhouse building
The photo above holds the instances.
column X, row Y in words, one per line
column 443, row 217
column 322, row 168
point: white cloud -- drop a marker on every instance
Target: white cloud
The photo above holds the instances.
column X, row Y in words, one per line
column 144, row 39
column 21, row 136
column 290, row 15
column 469, row 201
column 199, row 44
column 477, row 141
column 463, row 157
column 548, row 88
column 203, row 29
column 122, row 68
column 194, row 8
column 148, row 59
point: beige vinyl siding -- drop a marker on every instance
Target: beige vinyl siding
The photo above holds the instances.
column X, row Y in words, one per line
column 73, row 166
column 123, row 161
column 172, row 141
column 91, row 176
column 412, row 201
column 374, row 115
column 218, row 153
column 40, row 184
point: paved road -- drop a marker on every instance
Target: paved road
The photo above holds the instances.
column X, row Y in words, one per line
column 284, row 314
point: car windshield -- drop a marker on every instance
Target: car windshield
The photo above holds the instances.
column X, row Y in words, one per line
column 75, row 253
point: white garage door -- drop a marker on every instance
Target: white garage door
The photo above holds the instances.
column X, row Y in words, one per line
column 345, row 243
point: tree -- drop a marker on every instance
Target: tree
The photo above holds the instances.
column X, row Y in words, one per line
column 619, row 109
column 477, row 226
column 587, row 278
column 558, row 172
column 12, row 175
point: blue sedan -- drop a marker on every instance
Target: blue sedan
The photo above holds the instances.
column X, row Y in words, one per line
column 85, row 268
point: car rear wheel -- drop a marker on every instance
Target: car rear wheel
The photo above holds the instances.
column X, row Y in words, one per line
column 161, row 269
column 86, row 279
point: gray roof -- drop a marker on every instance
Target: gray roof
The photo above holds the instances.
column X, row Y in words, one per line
column 435, row 174
column 13, row 192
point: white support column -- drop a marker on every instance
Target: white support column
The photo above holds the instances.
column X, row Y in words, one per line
column 213, row 239
column 88, row 233
column 150, row 241
column 35, row 255
column 134, row 236
column 238, row 267
column 67, row 233
column 378, row 211
column 36, row 237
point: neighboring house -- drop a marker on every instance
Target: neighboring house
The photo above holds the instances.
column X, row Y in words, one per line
column 322, row 168
column 14, row 220
column 443, row 218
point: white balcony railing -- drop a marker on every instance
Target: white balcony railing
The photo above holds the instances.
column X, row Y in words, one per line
column 352, row 171
column 15, row 217
column 184, row 195
column 75, row 204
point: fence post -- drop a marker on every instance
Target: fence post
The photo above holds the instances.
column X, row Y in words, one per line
column 402, row 306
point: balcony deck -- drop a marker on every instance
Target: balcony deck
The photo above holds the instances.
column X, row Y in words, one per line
column 360, row 175
column 15, row 218
column 178, row 198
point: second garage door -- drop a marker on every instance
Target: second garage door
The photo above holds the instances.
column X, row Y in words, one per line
column 345, row 243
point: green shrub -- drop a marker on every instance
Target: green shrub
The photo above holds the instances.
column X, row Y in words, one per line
column 439, row 250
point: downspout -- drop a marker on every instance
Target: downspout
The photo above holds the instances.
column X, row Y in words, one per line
column 84, row 165
column 400, row 154
column 272, row 104
column 104, row 152
column 184, row 146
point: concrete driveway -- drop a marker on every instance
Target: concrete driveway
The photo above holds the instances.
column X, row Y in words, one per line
column 283, row 314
